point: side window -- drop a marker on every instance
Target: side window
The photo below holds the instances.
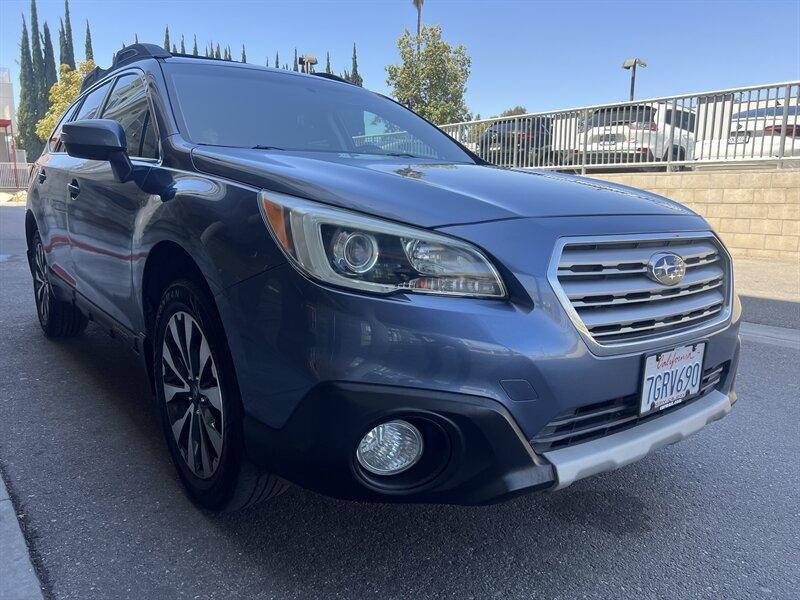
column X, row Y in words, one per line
column 54, row 143
column 90, row 109
column 128, row 106
column 683, row 120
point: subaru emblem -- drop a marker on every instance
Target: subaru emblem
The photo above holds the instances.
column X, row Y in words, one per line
column 667, row 268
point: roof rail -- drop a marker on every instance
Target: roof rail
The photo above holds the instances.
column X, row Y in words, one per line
column 333, row 77
column 127, row 55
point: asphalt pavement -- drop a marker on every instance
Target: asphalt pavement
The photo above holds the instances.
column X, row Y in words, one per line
column 716, row 516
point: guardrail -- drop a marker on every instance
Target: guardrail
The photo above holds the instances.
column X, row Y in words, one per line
column 750, row 124
column 13, row 176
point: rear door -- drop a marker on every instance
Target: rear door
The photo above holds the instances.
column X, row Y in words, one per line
column 102, row 211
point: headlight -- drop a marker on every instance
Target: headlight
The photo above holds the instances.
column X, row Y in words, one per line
column 350, row 250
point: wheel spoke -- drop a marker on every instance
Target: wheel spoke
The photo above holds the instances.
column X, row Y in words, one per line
column 191, row 458
column 177, row 426
column 188, row 330
column 171, row 391
column 214, row 396
column 204, row 460
column 213, row 436
column 169, row 360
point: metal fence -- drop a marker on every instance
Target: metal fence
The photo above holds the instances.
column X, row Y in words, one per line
column 13, row 176
column 752, row 124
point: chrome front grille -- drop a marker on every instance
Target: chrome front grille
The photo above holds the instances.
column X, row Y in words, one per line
column 607, row 286
column 604, row 418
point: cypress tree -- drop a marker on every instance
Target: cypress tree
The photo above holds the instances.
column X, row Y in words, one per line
column 328, row 63
column 166, row 38
column 296, row 65
column 69, row 56
column 50, row 75
column 88, row 46
column 174, row 49
column 62, row 44
column 26, row 113
column 354, row 76
column 277, row 62
column 183, row 45
column 37, row 60
column 244, row 54
column 194, row 47
column 135, row 38
column 217, row 53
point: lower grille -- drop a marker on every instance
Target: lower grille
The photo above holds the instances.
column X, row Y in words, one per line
column 603, row 418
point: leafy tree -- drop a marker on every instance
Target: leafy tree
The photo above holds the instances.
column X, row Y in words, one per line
column 432, row 81
column 37, row 59
column 26, row 113
column 355, row 77
column 68, row 58
column 88, row 48
column 166, row 38
column 513, row 112
column 328, row 63
column 296, row 65
column 244, row 54
column 183, row 45
column 194, row 47
column 62, row 94
column 50, row 76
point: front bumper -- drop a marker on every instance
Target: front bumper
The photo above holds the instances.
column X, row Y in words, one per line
column 619, row 449
column 318, row 367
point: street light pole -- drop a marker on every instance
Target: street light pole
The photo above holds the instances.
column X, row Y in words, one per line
column 631, row 65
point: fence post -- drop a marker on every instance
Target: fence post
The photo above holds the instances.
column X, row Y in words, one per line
column 585, row 140
column 784, row 124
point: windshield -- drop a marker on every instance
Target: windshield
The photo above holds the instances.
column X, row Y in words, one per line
column 230, row 106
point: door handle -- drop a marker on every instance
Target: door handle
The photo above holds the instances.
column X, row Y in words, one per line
column 74, row 189
column 42, row 176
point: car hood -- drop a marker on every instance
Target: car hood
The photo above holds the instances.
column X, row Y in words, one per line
column 428, row 193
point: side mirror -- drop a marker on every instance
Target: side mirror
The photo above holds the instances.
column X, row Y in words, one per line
column 99, row 139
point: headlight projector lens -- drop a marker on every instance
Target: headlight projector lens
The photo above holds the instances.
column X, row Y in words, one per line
column 390, row 448
column 355, row 252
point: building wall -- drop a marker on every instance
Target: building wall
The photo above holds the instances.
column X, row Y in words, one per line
column 756, row 213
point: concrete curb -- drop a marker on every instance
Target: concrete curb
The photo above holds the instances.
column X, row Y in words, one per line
column 18, row 580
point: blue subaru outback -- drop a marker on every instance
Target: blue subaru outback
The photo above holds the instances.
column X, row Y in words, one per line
column 327, row 290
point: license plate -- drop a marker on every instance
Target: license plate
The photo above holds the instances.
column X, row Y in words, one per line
column 671, row 377
column 608, row 142
column 739, row 138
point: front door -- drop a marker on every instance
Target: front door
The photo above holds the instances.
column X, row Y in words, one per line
column 102, row 211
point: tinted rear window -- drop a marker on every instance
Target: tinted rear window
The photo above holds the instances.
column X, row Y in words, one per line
column 622, row 115
column 232, row 106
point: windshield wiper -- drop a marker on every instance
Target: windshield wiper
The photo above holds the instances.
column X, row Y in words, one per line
column 260, row 147
column 403, row 154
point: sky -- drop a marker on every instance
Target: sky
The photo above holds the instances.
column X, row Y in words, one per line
column 543, row 55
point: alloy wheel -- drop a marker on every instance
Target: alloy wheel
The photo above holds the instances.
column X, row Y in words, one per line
column 41, row 283
column 193, row 394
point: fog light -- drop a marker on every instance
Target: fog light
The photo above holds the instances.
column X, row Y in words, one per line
column 390, row 448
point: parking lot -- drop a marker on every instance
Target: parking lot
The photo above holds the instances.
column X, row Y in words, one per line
column 104, row 515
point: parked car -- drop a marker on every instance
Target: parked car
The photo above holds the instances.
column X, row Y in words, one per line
column 637, row 133
column 517, row 142
column 367, row 323
column 756, row 133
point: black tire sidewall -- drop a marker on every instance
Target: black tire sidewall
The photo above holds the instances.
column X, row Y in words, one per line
column 216, row 491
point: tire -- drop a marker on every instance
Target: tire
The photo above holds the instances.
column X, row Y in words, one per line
column 200, row 407
column 58, row 319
